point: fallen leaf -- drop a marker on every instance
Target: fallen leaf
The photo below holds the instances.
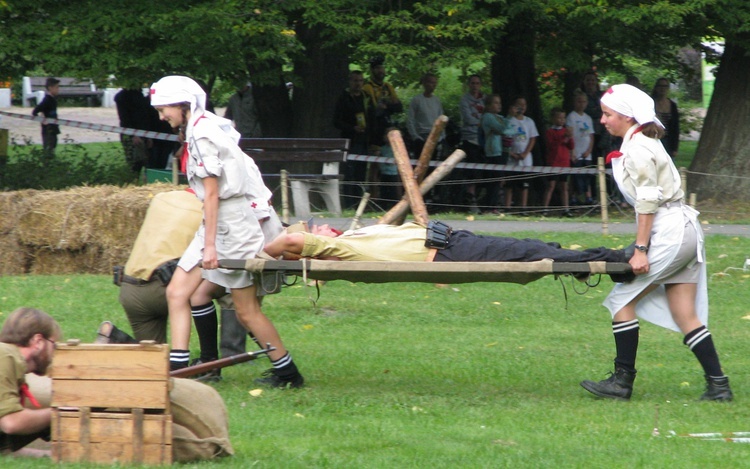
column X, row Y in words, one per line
column 256, row 392
column 470, row 218
column 299, row 415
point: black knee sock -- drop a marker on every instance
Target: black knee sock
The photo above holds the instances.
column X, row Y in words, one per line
column 284, row 367
column 626, row 343
column 255, row 339
column 700, row 342
column 178, row 359
column 207, row 325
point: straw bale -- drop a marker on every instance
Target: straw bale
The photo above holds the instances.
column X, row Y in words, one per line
column 60, row 220
column 9, row 202
column 66, row 261
column 13, row 259
column 118, row 223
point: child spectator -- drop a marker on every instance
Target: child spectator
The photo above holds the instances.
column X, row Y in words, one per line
column 524, row 133
column 583, row 137
column 559, row 144
column 493, row 126
column 48, row 108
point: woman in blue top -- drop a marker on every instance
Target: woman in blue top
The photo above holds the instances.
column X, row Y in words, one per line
column 492, row 127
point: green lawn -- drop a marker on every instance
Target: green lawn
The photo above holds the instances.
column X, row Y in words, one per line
column 471, row 375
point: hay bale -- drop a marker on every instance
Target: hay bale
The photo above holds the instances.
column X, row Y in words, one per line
column 47, row 261
column 79, row 230
column 14, row 259
column 118, row 223
column 60, row 220
column 9, row 202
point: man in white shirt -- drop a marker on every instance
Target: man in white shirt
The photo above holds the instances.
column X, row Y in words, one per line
column 423, row 110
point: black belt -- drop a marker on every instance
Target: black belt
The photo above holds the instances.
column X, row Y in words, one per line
column 136, row 281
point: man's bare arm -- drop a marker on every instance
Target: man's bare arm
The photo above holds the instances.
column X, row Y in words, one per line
column 288, row 245
column 25, row 421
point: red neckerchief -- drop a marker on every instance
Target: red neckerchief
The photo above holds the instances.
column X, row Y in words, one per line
column 616, row 154
column 185, row 153
column 26, row 394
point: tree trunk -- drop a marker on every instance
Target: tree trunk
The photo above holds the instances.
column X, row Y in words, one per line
column 514, row 75
column 724, row 149
column 323, row 73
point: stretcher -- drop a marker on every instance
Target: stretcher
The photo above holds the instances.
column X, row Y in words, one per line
column 429, row 272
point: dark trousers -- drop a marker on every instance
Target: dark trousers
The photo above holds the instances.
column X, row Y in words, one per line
column 465, row 246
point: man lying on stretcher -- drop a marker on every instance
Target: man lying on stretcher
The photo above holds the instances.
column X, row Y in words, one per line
column 435, row 243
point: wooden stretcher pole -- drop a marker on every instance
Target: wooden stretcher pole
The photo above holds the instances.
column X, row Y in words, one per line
column 603, row 194
column 429, row 148
column 430, row 181
column 284, row 196
column 411, row 188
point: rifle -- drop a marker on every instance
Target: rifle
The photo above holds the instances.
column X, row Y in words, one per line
column 220, row 363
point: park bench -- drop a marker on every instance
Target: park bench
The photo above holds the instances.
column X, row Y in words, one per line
column 312, row 165
column 33, row 89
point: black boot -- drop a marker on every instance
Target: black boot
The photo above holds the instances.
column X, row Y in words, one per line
column 717, row 389
column 618, row 386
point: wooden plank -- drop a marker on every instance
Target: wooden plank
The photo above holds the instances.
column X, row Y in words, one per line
column 111, row 393
column 113, row 453
column 114, row 427
column 111, row 362
column 295, row 143
column 297, row 157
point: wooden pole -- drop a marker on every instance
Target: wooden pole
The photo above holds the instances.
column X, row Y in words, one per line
column 285, row 196
column 430, row 181
column 603, row 195
column 411, row 188
column 360, row 210
column 683, row 179
column 429, row 147
column 175, row 169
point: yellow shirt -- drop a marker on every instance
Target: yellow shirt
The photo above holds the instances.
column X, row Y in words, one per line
column 372, row 243
column 170, row 224
column 12, row 371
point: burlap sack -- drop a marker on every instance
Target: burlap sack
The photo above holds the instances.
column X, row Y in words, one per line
column 41, row 389
column 200, row 427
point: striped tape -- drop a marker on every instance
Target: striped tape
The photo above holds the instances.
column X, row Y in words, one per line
column 350, row 157
column 92, row 126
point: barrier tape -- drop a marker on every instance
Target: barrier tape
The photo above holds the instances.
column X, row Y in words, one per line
column 487, row 167
column 92, row 126
column 365, row 158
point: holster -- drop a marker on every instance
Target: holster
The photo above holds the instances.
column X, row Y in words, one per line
column 438, row 235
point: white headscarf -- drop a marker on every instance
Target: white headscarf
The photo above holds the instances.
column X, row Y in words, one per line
column 176, row 89
column 631, row 102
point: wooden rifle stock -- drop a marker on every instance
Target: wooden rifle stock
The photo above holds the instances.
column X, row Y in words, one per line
column 220, row 363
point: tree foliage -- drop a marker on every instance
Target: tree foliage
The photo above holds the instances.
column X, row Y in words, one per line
column 313, row 43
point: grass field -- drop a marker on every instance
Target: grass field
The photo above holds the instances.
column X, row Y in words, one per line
column 475, row 375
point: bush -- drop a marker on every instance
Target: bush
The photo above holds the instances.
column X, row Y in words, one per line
column 74, row 164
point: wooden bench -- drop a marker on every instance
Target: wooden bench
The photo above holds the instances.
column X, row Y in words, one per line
column 34, row 89
column 312, row 164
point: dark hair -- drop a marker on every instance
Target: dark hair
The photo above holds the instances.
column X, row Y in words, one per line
column 51, row 81
column 185, row 108
column 656, row 84
column 24, row 323
column 355, row 72
column 426, row 76
column 468, row 80
column 653, row 130
column 556, row 110
column 488, row 99
column 376, row 61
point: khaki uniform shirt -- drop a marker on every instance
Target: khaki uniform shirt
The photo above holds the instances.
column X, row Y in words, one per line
column 168, row 228
column 12, row 371
column 372, row 243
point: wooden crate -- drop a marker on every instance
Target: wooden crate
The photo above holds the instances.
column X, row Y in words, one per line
column 111, row 437
column 110, row 404
column 112, row 375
